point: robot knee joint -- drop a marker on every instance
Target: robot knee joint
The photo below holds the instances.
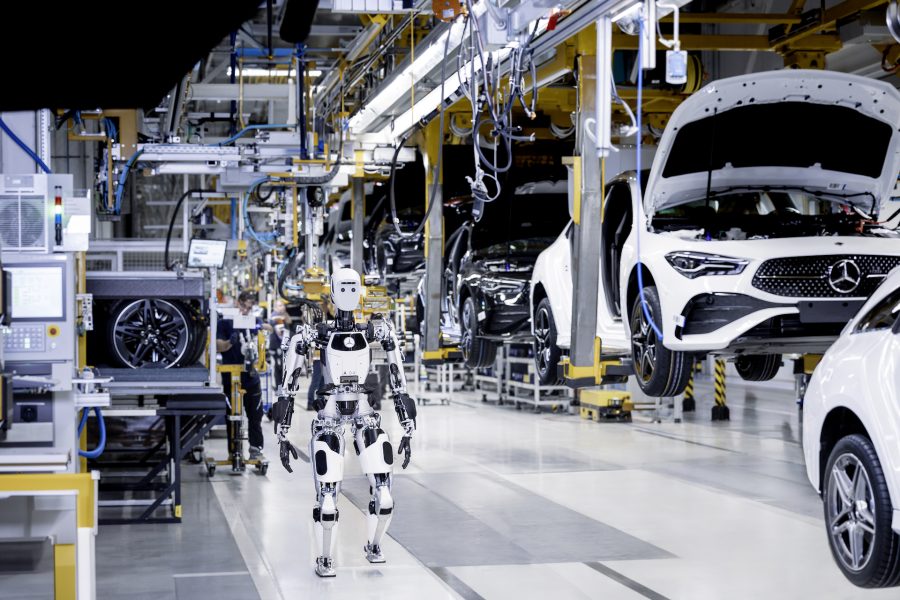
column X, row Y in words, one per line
column 382, row 502
column 327, row 517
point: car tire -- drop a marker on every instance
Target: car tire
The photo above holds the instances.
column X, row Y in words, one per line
column 860, row 506
column 478, row 352
column 546, row 352
column 659, row 371
column 757, row 367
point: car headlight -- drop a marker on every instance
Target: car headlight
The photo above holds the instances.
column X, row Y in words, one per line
column 509, row 286
column 697, row 264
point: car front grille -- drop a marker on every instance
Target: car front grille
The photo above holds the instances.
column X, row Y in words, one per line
column 828, row 276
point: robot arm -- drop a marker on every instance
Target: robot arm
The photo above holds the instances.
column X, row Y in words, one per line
column 293, row 350
column 382, row 331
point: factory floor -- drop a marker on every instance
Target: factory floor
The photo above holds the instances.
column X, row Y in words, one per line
column 500, row 503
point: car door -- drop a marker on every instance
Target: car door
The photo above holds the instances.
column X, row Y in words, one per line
column 616, row 226
column 875, row 344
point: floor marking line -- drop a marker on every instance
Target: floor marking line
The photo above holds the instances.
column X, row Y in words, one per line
column 626, row 581
column 220, row 574
column 456, row 584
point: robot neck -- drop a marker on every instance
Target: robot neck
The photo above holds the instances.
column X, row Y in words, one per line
column 344, row 320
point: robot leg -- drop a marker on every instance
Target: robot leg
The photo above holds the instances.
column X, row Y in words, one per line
column 327, row 453
column 376, row 455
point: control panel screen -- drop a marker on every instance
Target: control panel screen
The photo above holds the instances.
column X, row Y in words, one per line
column 36, row 292
column 207, row 253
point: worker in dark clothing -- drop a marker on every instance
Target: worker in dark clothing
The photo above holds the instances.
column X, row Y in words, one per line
column 228, row 343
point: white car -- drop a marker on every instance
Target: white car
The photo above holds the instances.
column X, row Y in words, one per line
column 851, row 440
column 757, row 229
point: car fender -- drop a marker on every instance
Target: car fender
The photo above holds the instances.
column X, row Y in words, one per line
column 855, row 374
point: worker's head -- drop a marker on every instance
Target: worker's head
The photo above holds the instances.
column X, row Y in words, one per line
column 246, row 300
column 346, row 289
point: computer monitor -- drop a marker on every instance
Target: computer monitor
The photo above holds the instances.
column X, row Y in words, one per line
column 36, row 292
column 207, row 253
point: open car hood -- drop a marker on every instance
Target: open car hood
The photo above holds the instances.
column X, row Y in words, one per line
column 817, row 130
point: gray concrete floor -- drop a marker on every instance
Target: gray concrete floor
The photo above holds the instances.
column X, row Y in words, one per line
column 500, row 503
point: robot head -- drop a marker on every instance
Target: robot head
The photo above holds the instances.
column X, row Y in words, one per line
column 346, row 289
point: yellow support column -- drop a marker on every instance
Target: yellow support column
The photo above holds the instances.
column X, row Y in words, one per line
column 66, row 557
column 64, row 578
column 431, row 144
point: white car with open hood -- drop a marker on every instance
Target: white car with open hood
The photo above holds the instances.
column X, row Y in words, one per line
column 757, row 229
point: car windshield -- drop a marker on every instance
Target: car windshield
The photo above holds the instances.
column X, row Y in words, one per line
column 522, row 222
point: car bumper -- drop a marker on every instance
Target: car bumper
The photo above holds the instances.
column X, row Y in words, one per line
column 746, row 323
column 505, row 315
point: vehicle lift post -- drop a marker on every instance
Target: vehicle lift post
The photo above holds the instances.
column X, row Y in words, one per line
column 803, row 369
column 235, row 429
column 720, row 411
column 689, row 404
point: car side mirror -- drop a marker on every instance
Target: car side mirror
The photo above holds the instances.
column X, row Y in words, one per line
column 896, row 327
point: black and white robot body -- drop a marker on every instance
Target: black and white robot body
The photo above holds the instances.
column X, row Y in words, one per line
column 346, row 357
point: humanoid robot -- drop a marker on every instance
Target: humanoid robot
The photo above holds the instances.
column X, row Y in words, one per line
column 345, row 356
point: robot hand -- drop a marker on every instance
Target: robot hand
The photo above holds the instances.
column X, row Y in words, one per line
column 282, row 413
column 405, row 450
column 287, row 450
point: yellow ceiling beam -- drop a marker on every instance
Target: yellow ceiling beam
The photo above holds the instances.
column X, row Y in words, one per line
column 736, row 18
column 737, row 43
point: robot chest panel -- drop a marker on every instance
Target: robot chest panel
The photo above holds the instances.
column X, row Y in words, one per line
column 347, row 355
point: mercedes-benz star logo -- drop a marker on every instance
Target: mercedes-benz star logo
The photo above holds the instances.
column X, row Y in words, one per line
column 844, row 276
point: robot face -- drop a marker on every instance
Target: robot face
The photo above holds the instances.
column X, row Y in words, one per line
column 346, row 289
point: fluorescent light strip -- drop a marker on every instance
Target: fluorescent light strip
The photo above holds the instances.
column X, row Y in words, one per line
column 424, row 63
column 257, row 72
column 433, row 98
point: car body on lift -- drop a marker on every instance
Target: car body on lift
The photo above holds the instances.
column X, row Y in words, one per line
column 751, row 247
column 487, row 269
column 851, row 428
column 394, row 251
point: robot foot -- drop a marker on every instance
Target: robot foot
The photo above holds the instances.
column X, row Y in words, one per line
column 325, row 567
column 373, row 554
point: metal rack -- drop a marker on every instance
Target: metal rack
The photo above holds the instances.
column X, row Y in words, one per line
column 150, row 478
column 503, row 388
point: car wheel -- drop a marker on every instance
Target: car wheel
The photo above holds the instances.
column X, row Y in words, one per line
column 659, row 371
column 149, row 333
column 757, row 367
column 477, row 352
column 858, row 514
column 546, row 352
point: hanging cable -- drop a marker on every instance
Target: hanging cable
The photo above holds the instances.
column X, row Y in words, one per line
column 120, row 185
column 250, row 128
column 24, row 147
column 101, row 443
column 170, row 266
column 637, row 209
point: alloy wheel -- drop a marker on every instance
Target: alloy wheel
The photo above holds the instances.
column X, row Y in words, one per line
column 542, row 339
column 150, row 332
column 468, row 340
column 643, row 343
column 850, row 509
